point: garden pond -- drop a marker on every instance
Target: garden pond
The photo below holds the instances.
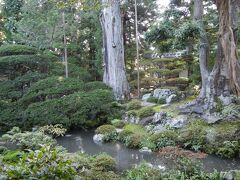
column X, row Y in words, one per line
column 80, row 140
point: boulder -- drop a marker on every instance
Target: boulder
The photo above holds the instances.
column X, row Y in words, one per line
column 146, row 97
column 131, row 119
column 178, row 122
column 211, row 118
column 159, row 129
column 162, row 93
column 146, row 120
column 159, row 117
column 171, row 98
column 145, row 150
column 98, row 138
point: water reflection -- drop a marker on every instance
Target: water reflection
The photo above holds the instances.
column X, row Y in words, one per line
column 125, row 158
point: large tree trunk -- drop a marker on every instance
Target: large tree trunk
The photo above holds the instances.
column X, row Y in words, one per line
column 114, row 67
column 224, row 80
column 225, row 77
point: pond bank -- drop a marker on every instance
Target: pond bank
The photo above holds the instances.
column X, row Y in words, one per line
column 79, row 140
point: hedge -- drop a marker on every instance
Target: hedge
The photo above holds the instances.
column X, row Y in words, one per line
column 9, row 50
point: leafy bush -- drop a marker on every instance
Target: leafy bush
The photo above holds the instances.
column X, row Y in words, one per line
column 53, row 130
column 28, row 140
column 78, row 109
column 104, row 162
column 12, row 156
column 229, row 149
column 118, row 123
column 161, row 101
column 14, row 49
column 122, row 136
column 134, row 141
column 231, row 111
column 18, row 65
column 145, row 112
column 133, row 105
column 73, row 71
column 166, row 138
column 15, row 89
column 105, row 129
column 45, row 163
column 143, row 172
column 90, row 86
column 50, row 88
column 2, row 149
column 152, row 99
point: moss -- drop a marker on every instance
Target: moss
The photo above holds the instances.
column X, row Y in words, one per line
column 105, row 129
column 134, row 105
column 118, row 123
column 145, row 112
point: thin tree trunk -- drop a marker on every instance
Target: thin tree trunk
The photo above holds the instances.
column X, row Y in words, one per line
column 113, row 49
column 204, row 47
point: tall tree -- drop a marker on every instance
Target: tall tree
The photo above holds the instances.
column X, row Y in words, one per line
column 114, row 66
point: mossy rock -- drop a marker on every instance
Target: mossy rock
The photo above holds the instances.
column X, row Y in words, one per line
column 15, row 49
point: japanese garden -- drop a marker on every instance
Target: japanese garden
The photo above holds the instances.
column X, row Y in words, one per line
column 120, row 89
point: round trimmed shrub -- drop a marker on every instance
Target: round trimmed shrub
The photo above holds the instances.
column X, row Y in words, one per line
column 145, row 112
column 133, row 105
column 134, row 141
column 105, row 129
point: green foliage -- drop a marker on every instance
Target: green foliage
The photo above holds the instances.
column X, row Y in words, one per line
column 166, row 138
column 134, row 105
column 143, row 172
column 12, row 156
column 145, row 112
column 229, row 149
column 73, row 70
column 78, row 109
column 105, row 129
column 2, row 149
column 9, row 50
column 51, row 88
column 231, row 111
column 18, row 65
column 45, row 163
column 104, row 162
column 90, row 86
column 194, row 136
column 122, row 136
column 134, row 141
column 53, row 130
column 152, row 99
column 28, row 140
column 118, row 123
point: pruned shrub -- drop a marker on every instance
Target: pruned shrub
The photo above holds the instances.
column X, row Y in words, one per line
column 105, row 129
column 78, row 109
column 134, row 105
column 118, row 123
column 18, row 65
column 50, row 88
column 145, row 112
column 15, row 49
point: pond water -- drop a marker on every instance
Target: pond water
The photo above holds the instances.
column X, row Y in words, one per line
column 126, row 158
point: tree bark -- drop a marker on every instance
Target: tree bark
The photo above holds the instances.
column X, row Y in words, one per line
column 113, row 49
column 204, row 47
column 224, row 79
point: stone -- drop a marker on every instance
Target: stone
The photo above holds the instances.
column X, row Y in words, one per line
column 162, row 93
column 146, row 120
column 211, row 118
column 159, row 117
column 146, row 97
column 145, row 150
column 98, row 138
column 131, row 119
column 178, row 122
column 119, row 130
column 159, row 129
column 171, row 98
